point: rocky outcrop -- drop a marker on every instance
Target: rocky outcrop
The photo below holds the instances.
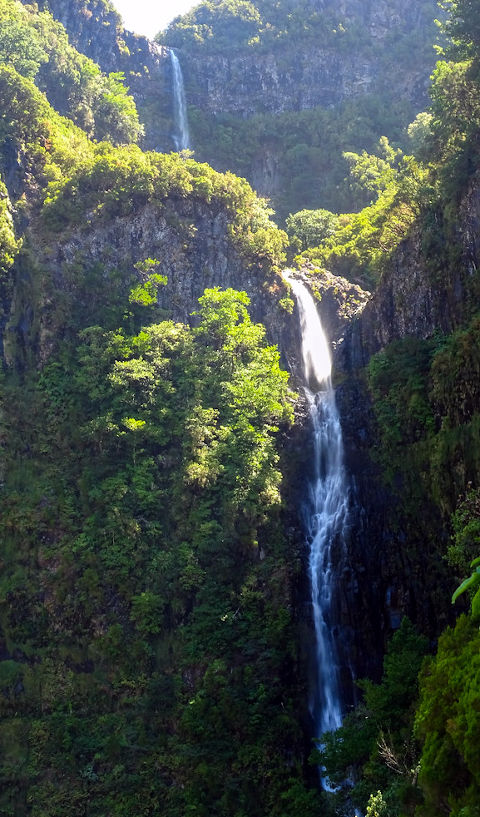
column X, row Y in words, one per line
column 191, row 241
column 418, row 295
column 298, row 71
column 339, row 302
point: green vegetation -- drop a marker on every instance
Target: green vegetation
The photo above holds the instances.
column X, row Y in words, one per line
column 309, row 227
column 447, row 723
column 410, row 756
column 37, row 47
column 148, row 656
column 220, row 24
column 421, row 191
column 301, row 145
column 8, row 243
column 428, row 418
column 471, row 583
column 377, row 737
column 152, row 636
column 361, row 245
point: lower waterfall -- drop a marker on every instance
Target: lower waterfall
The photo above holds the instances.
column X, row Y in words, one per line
column 325, row 509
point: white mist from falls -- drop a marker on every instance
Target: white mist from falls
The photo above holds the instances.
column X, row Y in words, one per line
column 325, row 511
column 181, row 136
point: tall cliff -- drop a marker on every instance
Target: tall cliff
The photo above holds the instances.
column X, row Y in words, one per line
column 339, row 50
column 273, row 95
column 283, row 88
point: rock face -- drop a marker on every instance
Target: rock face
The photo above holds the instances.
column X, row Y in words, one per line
column 392, row 569
column 191, row 241
column 416, row 298
column 303, row 74
column 96, row 30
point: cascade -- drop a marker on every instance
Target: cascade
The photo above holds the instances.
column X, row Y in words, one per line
column 181, row 135
column 325, row 510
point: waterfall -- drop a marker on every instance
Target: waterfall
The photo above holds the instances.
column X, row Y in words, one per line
column 181, row 135
column 325, row 509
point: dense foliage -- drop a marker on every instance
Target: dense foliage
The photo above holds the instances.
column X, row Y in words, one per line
column 153, row 637
column 308, row 228
column 303, row 144
column 448, row 724
column 37, row 46
column 148, row 655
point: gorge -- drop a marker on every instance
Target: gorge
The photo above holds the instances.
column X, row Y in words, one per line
column 228, row 549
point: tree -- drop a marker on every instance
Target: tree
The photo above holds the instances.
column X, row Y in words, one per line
column 462, row 27
column 370, row 174
column 420, row 135
column 308, row 228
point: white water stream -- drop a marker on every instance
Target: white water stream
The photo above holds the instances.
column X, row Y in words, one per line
column 326, row 508
column 181, row 136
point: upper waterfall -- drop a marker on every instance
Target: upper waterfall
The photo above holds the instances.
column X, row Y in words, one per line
column 181, row 136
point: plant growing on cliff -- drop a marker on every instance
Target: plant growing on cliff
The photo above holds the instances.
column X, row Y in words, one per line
column 37, row 47
column 308, row 228
column 375, row 744
column 448, row 723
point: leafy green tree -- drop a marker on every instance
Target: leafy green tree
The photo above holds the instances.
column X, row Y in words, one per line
column 308, row 228
column 462, row 26
column 448, row 724
column 369, row 174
